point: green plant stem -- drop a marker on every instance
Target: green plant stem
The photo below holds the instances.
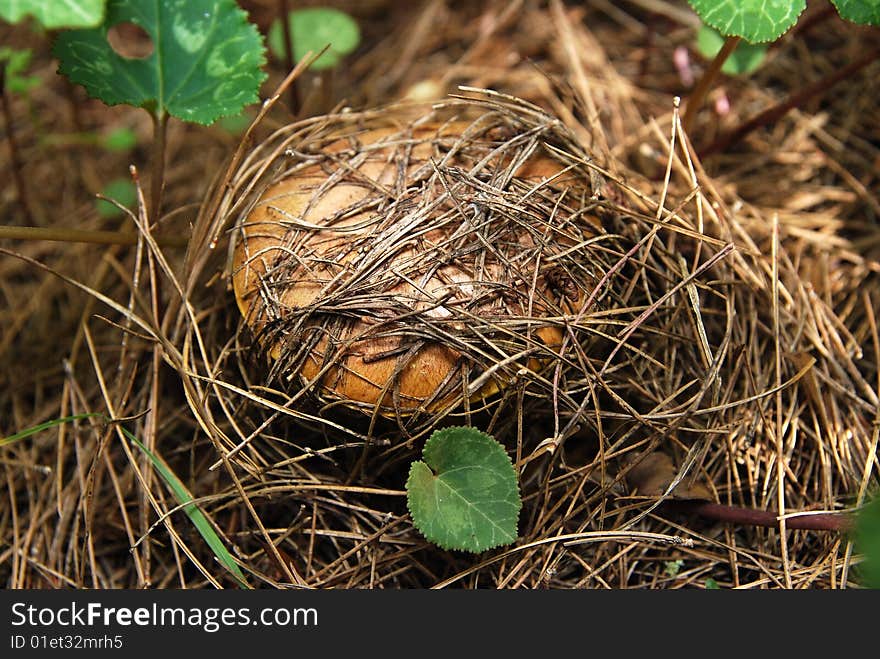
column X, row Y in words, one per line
column 82, row 236
column 794, row 100
column 20, row 187
column 160, row 131
column 698, row 96
column 293, row 90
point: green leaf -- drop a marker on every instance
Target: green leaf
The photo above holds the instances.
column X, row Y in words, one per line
column 465, row 494
column 672, row 568
column 711, row 584
column 120, row 139
column 753, row 20
column 867, row 543
column 311, row 30
column 746, row 57
column 183, row 496
column 54, row 14
column 863, row 12
column 205, row 62
column 15, row 62
column 120, row 189
column 6, row 441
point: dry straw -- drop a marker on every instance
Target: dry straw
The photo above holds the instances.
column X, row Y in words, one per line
column 677, row 332
column 721, row 326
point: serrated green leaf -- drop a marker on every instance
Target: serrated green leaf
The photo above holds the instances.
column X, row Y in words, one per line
column 863, row 12
column 745, row 58
column 753, row 20
column 312, row 29
column 205, row 63
column 465, row 494
column 55, row 14
column 867, row 543
column 120, row 189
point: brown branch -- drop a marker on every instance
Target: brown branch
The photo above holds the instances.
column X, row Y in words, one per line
column 809, row 21
column 157, row 181
column 698, row 96
column 82, row 236
column 289, row 62
column 17, row 167
column 765, row 518
column 779, row 110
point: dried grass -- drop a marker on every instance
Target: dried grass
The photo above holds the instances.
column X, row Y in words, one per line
column 742, row 343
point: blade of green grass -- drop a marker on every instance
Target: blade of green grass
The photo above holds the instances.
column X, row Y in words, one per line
column 183, row 496
column 5, row 441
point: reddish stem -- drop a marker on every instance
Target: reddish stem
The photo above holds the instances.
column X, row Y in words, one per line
column 60, row 234
column 796, row 99
column 293, row 91
column 810, row 21
column 69, row 91
column 695, row 100
column 73, row 105
column 17, row 167
column 649, row 47
column 766, row 518
column 157, row 182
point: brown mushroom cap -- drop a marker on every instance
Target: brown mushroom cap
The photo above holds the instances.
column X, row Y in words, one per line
column 346, row 275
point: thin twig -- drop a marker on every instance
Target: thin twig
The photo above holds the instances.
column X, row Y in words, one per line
column 289, row 60
column 17, row 166
column 796, row 99
column 157, row 182
column 60, row 234
column 778, row 428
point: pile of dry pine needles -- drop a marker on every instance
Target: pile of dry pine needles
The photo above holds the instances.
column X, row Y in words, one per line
column 734, row 349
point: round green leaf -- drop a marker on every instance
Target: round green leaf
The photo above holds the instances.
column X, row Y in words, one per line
column 863, row 12
column 867, row 543
column 753, row 20
column 745, row 58
column 311, row 30
column 464, row 495
column 55, row 14
column 205, row 63
column 121, row 190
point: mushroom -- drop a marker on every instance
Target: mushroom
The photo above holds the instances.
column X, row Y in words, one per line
column 411, row 266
